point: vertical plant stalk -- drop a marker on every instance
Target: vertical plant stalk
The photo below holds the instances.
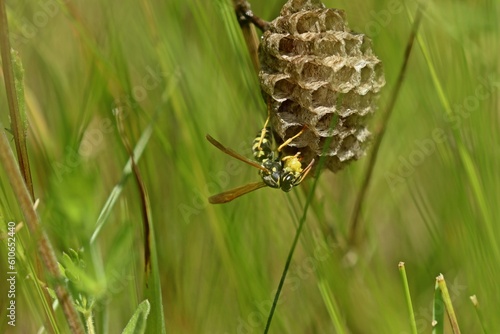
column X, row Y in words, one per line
column 354, row 226
column 438, row 311
column 479, row 314
column 153, row 292
column 409, row 305
column 20, row 175
column 468, row 163
column 447, row 303
column 32, row 221
column 17, row 123
column 302, row 221
column 146, row 221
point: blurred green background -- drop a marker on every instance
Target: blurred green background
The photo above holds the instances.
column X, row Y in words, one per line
column 182, row 70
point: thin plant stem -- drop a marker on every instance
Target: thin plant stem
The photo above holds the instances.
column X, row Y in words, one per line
column 413, row 323
column 17, row 123
column 298, row 231
column 32, row 221
column 144, row 197
column 355, row 218
column 448, row 304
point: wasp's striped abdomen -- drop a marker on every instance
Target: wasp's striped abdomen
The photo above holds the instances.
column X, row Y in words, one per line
column 263, row 145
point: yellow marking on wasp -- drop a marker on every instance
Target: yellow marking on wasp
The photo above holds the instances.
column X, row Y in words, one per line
column 292, row 163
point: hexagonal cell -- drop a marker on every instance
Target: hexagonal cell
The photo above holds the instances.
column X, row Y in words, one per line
column 366, row 74
column 347, row 103
column 366, row 46
column 352, row 46
column 347, row 148
column 290, row 106
column 307, row 22
column 333, row 19
column 365, row 103
column 300, row 141
column 334, row 164
column 303, row 97
column 272, row 64
column 283, row 89
column 344, row 79
column 281, row 25
column 287, row 46
column 315, row 72
column 329, row 46
column 324, row 97
column 326, row 125
column 294, row 6
column 332, row 148
column 287, row 120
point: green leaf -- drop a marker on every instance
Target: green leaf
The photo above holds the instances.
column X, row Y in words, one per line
column 137, row 324
column 438, row 311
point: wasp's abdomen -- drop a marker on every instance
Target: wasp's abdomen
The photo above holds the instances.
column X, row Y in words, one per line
column 263, row 145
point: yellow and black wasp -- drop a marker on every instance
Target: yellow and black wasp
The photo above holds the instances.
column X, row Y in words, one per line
column 277, row 171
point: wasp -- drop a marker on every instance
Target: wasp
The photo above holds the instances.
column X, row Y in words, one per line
column 276, row 170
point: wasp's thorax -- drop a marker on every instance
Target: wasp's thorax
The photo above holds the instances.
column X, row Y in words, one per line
column 283, row 172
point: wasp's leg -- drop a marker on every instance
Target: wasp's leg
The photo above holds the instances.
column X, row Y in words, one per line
column 264, row 130
column 304, row 172
column 291, row 157
column 289, row 140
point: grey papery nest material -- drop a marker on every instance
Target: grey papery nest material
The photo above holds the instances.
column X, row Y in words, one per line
column 316, row 72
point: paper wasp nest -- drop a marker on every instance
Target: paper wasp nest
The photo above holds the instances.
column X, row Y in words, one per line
column 318, row 73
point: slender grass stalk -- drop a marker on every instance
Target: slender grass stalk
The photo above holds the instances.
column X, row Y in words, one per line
column 44, row 246
column 448, row 304
column 480, row 316
column 18, row 126
column 438, row 311
column 331, row 307
column 117, row 190
column 404, row 279
column 310, row 196
column 20, row 178
column 471, row 169
column 355, row 217
column 150, row 263
column 144, row 197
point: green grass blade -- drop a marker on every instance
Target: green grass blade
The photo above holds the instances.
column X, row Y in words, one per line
column 302, row 221
column 438, row 310
column 404, row 279
column 448, row 304
column 118, row 188
column 479, row 313
column 464, row 155
column 331, row 306
column 137, row 324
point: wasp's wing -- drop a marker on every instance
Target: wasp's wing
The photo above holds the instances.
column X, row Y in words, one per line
column 229, row 195
column 232, row 153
